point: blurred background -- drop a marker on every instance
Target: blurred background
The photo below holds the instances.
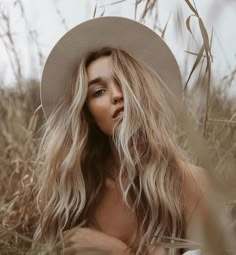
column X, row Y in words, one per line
column 201, row 35
column 29, row 30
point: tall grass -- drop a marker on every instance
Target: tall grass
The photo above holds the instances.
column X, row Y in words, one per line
column 208, row 134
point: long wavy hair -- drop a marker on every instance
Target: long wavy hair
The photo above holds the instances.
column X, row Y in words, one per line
column 70, row 174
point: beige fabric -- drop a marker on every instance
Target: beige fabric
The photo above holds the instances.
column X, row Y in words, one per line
column 118, row 32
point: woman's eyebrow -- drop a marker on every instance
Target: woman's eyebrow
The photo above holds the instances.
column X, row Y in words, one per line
column 96, row 80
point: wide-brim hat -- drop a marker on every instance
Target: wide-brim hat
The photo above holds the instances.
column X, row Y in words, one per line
column 117, row 32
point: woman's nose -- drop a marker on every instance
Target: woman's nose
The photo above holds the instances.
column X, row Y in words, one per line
column 116, row 94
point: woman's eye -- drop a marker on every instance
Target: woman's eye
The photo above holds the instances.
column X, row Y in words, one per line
column 98, row 93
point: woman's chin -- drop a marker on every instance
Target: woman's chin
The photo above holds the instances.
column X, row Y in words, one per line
column 118, row 117
column 117, row 125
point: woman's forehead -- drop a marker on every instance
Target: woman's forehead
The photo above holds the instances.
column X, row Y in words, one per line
column 100, row 67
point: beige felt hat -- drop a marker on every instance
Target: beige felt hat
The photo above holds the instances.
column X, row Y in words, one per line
column 116, row 32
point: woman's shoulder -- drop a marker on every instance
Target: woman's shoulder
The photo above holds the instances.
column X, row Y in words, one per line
column 195, row 188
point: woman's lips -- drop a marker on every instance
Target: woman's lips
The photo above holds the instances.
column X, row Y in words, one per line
column 119, row 115
column 117, row 111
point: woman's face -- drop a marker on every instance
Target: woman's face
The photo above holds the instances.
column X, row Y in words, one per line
column 105, row 98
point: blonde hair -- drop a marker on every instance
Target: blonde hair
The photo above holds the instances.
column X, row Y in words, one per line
column 70, row 180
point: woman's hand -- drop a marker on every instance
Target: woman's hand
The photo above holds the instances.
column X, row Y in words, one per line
column 89, row 241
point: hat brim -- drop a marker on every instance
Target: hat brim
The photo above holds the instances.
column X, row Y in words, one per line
column 116, row 32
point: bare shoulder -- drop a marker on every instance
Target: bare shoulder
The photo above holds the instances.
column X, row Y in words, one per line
column 195, row 189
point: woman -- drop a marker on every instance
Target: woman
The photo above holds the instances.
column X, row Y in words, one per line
column 111, row 177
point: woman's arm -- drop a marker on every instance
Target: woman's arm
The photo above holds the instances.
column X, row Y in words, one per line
column 89, row 241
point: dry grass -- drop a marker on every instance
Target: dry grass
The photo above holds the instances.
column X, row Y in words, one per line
column 18, row 143
column 210, row 139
